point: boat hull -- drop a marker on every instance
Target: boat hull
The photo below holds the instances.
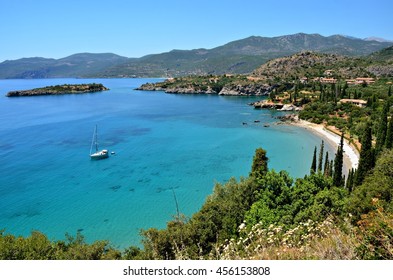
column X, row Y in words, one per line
column 100, row 155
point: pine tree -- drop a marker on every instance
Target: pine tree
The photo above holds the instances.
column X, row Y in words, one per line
column 314, row 162
column 366, row 160
column 383, row 127
column 320, row 159
column 338, row 164
column 389, row 135
column 259, row 163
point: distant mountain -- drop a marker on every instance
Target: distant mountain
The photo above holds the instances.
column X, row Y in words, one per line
column 34, row 65
column 77, row 65
column 377, row 39
column 289, row 44
column 237, row 57
column 241, row 56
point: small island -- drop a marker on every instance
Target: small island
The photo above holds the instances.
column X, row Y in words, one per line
column 59, row 89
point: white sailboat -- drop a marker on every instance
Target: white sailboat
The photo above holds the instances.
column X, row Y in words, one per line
column 94, row 143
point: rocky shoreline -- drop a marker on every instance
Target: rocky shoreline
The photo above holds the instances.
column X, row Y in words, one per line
column 58, row 90
column 228, row 90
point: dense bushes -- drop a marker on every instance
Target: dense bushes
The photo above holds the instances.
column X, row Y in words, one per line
column 267, row 215
column 379, row 184
column 279, row 208
column 38, row 247
column 217, row 220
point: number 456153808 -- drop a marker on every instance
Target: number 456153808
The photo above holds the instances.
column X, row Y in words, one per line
column 225, row 270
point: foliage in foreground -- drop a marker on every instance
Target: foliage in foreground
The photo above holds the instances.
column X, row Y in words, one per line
column 308, row 219
column 265, row 216
column 38, row 247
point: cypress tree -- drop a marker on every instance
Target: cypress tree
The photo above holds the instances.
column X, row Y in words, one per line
column 390, row 91
column 349, row 183
column 322, row 92
column 338, row 164
column 344, row 92
column 326, row 165
column 353, row 175
column 383, row 127
column 320, row 159
column 331, row 169
column 366, row 160
column 295, row 94
column 375, row 101
column 326, row 170
column 314, row 162
column 389, row 135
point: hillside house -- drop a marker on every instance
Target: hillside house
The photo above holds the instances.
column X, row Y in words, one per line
column 357, row 102
column 360, row 81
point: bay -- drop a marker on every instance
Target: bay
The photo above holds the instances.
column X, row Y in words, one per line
column 163, row 144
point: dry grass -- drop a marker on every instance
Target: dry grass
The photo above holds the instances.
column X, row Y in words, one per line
column 310, row 240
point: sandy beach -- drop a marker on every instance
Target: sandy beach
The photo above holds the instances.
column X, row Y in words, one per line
column 351, row 155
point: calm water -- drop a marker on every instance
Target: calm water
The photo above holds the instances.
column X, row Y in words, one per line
column 163, row 142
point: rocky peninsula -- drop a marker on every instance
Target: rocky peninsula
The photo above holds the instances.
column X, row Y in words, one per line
column 219, row 85
column 59, row 89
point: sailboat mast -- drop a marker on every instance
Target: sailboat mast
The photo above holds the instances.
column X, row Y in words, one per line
column 94, row 142
column 96, row 135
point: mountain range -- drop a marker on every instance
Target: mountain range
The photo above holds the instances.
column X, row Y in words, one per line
column 237, row 57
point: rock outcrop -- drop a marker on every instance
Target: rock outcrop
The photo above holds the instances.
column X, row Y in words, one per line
column 229, row 89
column 311, row 64
column 381, row 70
column 265, row 104
column 251, row 89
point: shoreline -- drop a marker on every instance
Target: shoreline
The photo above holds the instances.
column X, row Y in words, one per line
column 351, row 155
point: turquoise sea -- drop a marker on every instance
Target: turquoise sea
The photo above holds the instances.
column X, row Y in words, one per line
column 163, row 142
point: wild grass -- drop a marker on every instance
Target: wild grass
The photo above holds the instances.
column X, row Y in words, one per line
column 309, row 240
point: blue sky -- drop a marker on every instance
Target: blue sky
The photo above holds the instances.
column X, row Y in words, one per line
column 56, row 29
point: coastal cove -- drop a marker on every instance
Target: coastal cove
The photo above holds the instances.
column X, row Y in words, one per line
column 164, row 143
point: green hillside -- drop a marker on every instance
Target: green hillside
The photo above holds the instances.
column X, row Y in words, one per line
column 237, row 57
column 384, row 55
